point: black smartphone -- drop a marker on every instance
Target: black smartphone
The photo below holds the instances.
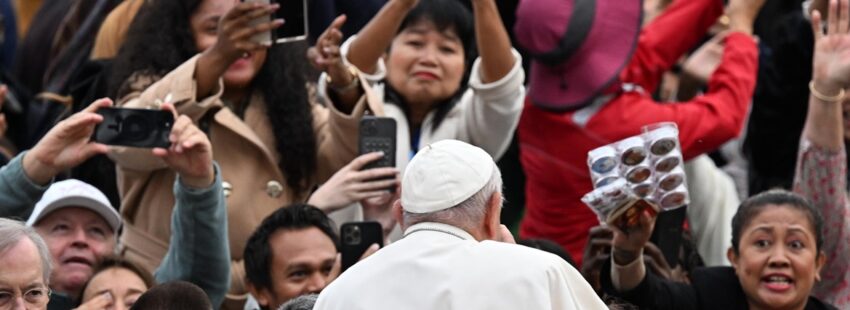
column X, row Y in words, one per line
column 134, row 127
column 356, row 238
column 294, row 28
column 378, row 134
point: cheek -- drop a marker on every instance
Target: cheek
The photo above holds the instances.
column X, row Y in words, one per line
column 203, row 41
column 259, row 59
column 288, row 289
column 454, row 68
column 103, row 248
column 56, row 245
column 398, row 65
column 750, row 265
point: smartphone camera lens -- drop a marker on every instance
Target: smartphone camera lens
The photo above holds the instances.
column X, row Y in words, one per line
column 351, row 235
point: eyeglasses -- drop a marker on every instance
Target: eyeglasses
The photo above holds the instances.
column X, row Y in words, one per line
column 36, row 297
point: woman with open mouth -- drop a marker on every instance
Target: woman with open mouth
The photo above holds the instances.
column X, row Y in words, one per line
column 784, row 254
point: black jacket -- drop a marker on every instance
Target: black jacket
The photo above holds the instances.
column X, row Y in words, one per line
column 710, row 288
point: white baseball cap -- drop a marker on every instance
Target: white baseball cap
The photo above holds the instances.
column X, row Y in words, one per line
column 75, row 193
column 444, row 174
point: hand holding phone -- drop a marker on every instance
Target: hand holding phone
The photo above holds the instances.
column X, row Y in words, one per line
column 190, row 152
column 351, row 184
column 236, row 37
column 66, row 145
column 134, row 127
column 293, row 13
column 357, row 237
column 378, row 134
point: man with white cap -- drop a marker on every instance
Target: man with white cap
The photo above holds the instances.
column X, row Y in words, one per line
column 79, row 227
column 450, row 256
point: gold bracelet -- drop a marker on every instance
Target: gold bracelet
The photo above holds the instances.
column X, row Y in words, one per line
column 355, row 79
column 822, row 97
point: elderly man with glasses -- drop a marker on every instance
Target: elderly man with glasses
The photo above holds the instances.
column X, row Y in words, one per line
column 24, row 267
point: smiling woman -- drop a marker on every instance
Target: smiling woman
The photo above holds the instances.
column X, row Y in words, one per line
column 272, row 141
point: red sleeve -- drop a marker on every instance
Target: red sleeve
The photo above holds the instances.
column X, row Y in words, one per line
column 669, row 36
column 708, row 121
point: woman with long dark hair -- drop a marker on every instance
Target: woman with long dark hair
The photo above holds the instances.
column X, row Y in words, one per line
column 272, row 142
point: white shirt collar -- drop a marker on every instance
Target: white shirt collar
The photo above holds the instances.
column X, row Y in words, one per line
column 439, row 228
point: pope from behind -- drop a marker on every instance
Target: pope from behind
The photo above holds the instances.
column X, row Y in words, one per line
column 454, row 253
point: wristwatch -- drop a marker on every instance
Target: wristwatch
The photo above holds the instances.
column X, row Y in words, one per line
column 355, row 81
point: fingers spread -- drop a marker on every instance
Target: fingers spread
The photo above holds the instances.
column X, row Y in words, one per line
column 832, row 23
column 817, row 27
column 844, row 17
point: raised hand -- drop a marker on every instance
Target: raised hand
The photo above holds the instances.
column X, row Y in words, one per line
column 705, row 60
column 831, row 64
column 190, row 153
column 742, row 14
column 326, row 55
column 236, row 29
column 350, row 184
column 628, row 244
column 66, row 145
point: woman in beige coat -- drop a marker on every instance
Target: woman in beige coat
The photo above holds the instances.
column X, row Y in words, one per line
column 272, row 142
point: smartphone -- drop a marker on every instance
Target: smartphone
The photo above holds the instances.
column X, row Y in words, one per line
column 134, row 127
column 378, row 134
column 356, row 238
column 294, row 28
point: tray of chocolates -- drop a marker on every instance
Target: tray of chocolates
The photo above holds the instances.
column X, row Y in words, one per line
column 647, row 167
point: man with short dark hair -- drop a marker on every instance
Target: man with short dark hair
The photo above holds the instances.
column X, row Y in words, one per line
column 292, row 253
column 450, row 257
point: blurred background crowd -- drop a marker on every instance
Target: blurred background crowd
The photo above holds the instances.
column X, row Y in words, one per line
column 496, row 104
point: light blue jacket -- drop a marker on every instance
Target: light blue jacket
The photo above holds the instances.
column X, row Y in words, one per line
column 199, row 251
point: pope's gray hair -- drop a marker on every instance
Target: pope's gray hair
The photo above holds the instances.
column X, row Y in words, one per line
column 467, row 214
column 11, row 232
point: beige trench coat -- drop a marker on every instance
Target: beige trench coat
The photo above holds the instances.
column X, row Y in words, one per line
column 248, row 159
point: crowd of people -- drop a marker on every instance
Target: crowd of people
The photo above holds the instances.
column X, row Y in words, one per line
column 243, row 208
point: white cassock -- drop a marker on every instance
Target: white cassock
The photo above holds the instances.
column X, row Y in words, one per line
column 437, row 266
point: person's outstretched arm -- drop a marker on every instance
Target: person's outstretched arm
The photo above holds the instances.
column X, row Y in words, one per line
column 373, row 40
column 199, row 250
column 494, row 45
column 822, row 162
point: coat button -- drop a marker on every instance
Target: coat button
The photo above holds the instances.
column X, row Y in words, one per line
column 227, row 188
column 274, row 189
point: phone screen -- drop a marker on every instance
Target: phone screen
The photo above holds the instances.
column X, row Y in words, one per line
column 294, row 15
